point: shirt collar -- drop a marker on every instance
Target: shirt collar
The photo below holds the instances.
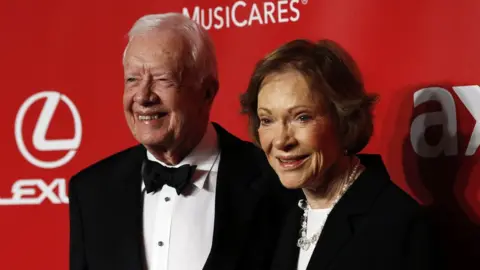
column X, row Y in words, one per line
column 204, row 156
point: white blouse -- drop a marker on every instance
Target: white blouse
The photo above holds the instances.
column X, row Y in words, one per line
column 315, row 221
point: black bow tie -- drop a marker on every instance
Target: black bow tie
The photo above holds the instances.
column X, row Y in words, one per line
column 156, row 175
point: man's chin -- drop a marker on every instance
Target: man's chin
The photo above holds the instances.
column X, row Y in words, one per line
column 154, row 139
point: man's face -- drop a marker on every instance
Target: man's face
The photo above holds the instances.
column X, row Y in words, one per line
column 162, row 101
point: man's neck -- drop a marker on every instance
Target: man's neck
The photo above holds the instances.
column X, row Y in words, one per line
column 179, row 150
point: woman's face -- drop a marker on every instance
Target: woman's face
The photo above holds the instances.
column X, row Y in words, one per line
column 295, row 132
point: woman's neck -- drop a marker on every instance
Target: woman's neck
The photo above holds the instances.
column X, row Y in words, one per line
column 330, row 184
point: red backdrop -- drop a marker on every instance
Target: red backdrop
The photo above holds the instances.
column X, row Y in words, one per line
column 62, row 87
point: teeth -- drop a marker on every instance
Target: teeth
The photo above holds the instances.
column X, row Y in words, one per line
column 290, row 160
column 147, row 117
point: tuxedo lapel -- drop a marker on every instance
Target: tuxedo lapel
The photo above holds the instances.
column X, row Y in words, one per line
column 126, row 211
column 238, row 190
column 341, row 223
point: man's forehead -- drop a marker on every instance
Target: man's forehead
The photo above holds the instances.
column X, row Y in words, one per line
column 157, row 44
column 160, row 38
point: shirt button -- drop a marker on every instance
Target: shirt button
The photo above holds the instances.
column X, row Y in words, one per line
column 167, row 199
column 160, row 243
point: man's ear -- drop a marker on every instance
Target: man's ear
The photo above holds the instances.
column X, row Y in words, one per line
column 211, row 88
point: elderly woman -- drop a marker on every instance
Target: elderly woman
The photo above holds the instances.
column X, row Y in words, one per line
column 310, row 114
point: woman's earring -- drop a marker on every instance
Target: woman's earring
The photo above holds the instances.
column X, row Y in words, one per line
column 345, row 152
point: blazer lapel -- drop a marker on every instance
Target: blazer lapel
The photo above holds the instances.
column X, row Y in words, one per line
column 239, row 188
column 286, row 253
column 127, row 211
column 335, row 235
column 341, row 223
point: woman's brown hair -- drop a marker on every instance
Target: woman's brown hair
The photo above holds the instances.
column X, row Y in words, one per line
column 331, row 72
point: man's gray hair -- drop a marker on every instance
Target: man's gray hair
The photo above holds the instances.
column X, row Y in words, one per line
column 202, row 50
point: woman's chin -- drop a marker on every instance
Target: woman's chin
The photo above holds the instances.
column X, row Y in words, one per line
column 294, row 179
column 291, row 183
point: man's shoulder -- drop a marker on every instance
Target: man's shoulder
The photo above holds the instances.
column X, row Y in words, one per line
column 229, row 141
column 242, row 149
column 249, row 159
column 111, row 164
column 251, row 149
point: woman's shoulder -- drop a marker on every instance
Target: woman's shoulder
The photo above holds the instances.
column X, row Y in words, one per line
column 390, row 197
column 395, row 198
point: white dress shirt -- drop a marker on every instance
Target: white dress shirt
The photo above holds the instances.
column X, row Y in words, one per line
column 178, row 229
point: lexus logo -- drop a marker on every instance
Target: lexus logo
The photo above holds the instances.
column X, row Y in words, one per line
column 39, row 141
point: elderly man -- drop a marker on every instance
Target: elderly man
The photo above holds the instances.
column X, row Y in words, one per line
column 190, row 195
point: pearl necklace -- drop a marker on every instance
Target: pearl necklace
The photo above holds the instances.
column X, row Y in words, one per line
column 304, row 242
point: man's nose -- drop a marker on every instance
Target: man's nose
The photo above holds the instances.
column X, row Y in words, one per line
column 145, row 95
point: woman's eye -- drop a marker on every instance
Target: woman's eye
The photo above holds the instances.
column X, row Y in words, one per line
column 265, row 121
column 304, row 118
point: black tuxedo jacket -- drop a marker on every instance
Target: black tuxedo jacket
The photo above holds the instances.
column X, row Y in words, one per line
column 106, row 211
column 374, row 226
